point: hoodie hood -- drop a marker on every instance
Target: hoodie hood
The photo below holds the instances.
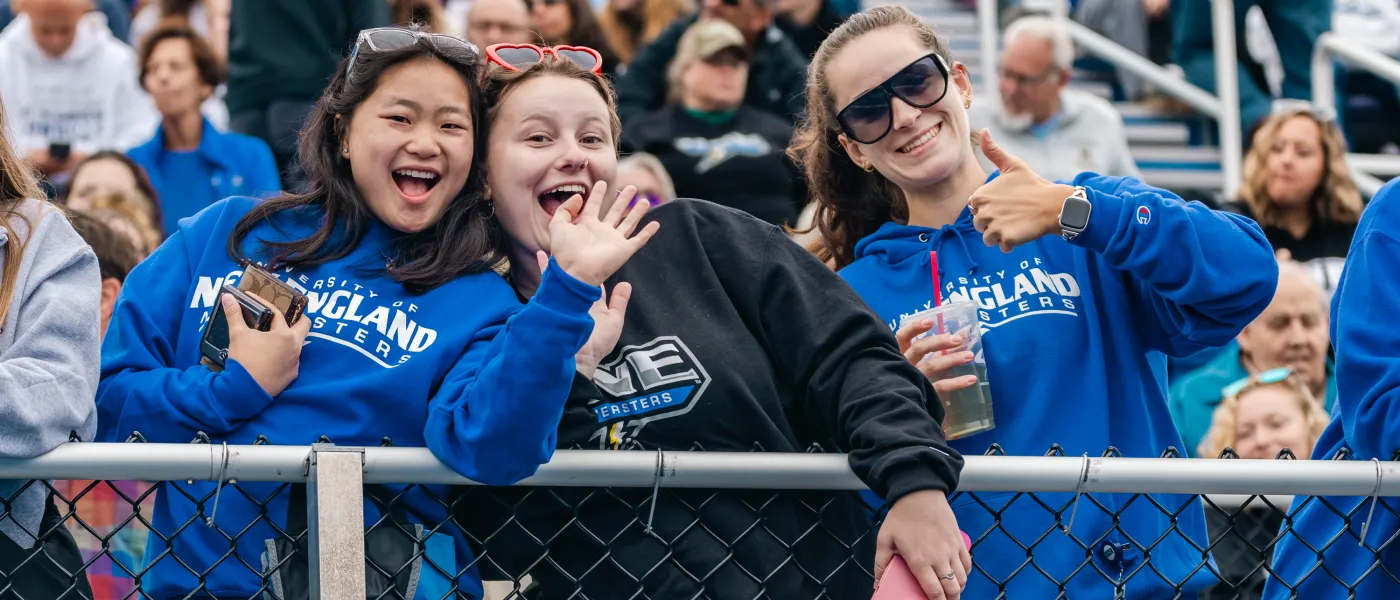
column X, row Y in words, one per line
column 905, row 246
column 91, row 36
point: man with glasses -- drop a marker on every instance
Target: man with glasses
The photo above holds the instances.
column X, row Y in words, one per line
column 777, row 70
column 1059, row 132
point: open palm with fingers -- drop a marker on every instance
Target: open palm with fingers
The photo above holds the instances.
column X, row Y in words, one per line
column 591, row 248
column 609, row 314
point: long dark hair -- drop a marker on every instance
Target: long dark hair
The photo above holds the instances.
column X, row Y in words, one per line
column 463, row 241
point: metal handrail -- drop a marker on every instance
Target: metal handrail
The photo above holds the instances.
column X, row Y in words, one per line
column 1324, row 93
column 1224, row 106
column 592, row 468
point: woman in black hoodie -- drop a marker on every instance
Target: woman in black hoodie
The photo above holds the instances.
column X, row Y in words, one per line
column 737, row 340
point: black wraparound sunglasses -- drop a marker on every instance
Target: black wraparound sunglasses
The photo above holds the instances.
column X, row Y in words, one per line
column 869, row 118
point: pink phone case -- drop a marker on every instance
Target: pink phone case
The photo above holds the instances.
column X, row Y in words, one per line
column 899, row 583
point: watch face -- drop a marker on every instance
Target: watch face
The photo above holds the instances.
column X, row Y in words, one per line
column 1075, row 213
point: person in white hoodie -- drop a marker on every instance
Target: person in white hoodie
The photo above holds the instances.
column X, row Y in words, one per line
column 70, row 85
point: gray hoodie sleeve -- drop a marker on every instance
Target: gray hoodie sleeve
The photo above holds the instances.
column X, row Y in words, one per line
column 49, row 345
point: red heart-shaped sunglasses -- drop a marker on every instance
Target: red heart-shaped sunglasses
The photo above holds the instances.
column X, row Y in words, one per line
column 516, row 57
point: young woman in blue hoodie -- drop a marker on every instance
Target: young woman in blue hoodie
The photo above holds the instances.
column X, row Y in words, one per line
column 408, row 334
column 1330, row 555
column 1078, row 313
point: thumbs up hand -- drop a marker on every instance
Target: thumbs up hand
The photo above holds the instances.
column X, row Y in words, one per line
column 1018, row 206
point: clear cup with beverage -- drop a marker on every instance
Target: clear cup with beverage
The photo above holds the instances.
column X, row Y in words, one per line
column 967, row 411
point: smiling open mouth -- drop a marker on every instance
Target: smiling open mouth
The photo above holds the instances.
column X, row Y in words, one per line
column 415, row 182
column 551, row 199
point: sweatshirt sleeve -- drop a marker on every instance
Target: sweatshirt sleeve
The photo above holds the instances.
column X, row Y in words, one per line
column 495, row 418
column 1198, row 276
column 848, row 374
column 48, row 374
column 1368, row 365
column 143, row 388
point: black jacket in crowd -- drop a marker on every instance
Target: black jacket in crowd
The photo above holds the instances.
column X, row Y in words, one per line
column 1324, row 239
column 288, row 50
column 777, row 74
column 740, row 163
column 809, row 38
column 736, row 339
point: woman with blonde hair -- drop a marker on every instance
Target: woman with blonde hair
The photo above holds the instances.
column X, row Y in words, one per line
column 631, row 24
column 1265, row 414
column 1298, row 187
column 49, row 305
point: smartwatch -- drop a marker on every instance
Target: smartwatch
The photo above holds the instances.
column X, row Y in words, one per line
column 1074, row 214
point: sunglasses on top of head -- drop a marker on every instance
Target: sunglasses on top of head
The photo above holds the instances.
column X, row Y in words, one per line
column 869, row 118
column 517, row 57
column 384, row 39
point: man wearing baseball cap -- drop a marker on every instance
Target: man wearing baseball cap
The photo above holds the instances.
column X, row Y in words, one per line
column 716, row 146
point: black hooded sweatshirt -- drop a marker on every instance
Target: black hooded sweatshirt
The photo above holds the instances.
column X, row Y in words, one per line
column 736, row 339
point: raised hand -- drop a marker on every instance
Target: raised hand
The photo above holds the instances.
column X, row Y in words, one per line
column 1018, row 206
column 272, row 357
column 608, row 318
column 592, row 249
column 928, row 355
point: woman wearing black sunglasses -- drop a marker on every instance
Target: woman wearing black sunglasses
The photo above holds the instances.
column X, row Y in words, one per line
column 1081, row 290
column 407, row 334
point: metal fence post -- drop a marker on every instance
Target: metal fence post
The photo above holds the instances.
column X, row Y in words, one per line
column 1227, row 87
column 336, row 522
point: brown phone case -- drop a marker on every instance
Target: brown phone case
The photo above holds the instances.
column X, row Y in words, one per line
column 257, row 281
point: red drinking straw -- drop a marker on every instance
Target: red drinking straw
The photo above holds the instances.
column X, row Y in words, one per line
column 937, row 290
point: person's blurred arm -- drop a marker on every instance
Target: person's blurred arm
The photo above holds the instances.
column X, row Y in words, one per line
column 1363, row 331
column 48, row 373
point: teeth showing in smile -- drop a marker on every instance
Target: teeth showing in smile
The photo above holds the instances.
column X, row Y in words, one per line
column 572, row 188
column 415, row 173
column 921, row 140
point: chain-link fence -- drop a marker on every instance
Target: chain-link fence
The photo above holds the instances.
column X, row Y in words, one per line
column 288, row 522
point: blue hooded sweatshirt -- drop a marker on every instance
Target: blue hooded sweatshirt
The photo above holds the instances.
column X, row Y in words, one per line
column 1075, row 336
column 464, row 369
column 1365, row 422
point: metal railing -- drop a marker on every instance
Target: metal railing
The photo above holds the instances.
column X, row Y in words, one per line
column 1329, row 47
column 1223, row 106
column 337, row 476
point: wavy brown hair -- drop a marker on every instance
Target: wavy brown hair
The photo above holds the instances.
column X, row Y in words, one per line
column 463, row 241
column 18, row 183
column 851, row 203
column 1335, row 200
column 629, row 31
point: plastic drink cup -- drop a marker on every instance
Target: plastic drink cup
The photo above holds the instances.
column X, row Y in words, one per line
column 967, row 411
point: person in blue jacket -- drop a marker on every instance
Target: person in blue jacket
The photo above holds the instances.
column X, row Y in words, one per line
column 190, row 163
column 408, row 334
column 1082, row 289
column 1309, row 563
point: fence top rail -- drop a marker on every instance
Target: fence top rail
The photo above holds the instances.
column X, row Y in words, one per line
column 593, row 468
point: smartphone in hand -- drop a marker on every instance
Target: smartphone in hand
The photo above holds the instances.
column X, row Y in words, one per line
column 213, row 346
column 276, row 292
column 899, row 583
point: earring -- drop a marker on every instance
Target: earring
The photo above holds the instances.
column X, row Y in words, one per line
column 490, row 210
column 967, row 101
column 345, row 150
column 869, row 168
